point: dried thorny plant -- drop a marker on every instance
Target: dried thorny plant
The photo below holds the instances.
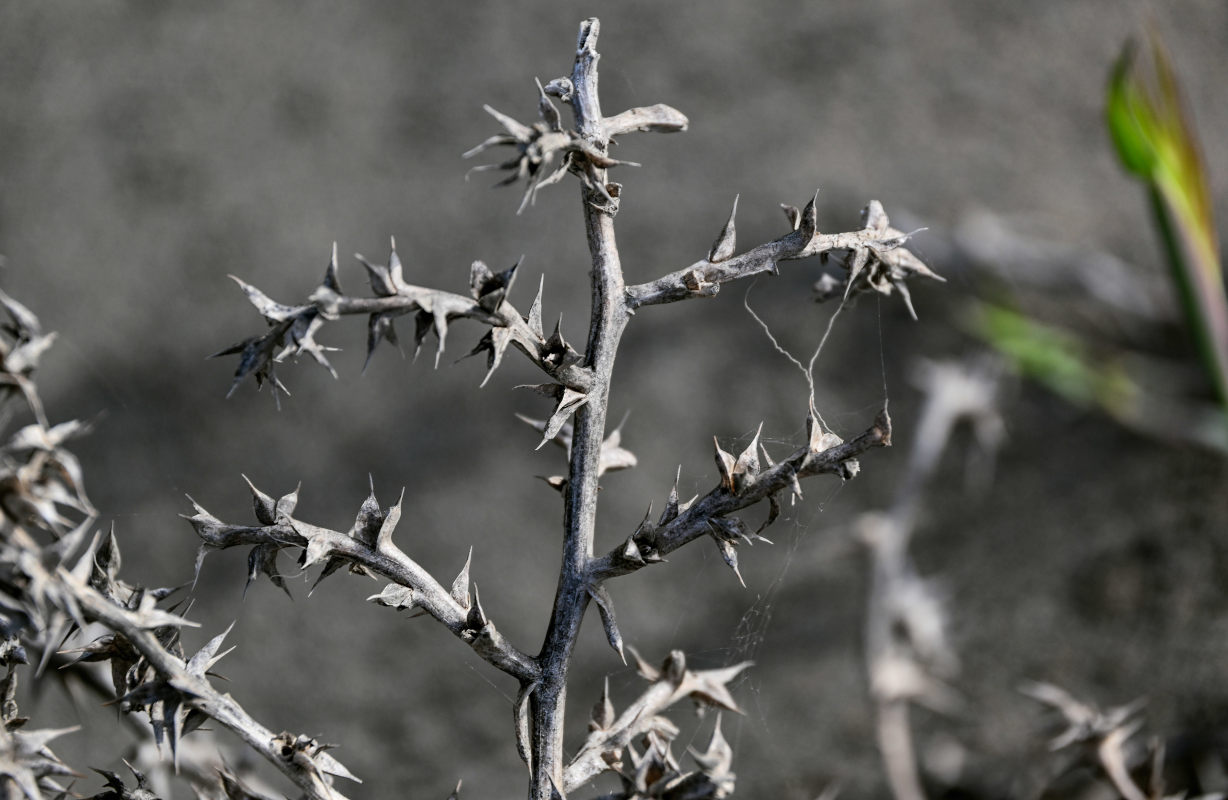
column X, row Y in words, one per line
column 66, row 612
column 62, row 600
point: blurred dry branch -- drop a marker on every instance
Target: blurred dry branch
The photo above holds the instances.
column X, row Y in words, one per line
column 908, row 653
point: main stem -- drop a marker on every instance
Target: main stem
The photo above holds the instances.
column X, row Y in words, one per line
column 608, row 319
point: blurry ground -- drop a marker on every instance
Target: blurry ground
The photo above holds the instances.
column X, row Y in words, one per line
column 148, row 149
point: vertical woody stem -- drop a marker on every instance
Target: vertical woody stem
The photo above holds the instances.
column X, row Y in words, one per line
column 608, row 319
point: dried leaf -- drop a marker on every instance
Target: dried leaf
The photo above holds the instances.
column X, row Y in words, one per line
column 263, row 558
column 710, row 686
column 317, row 549
column 383, row 541
column 725, row 462
column 809, row 223
column 729, row 553
column 671, row 504
column 286, row 505
column 747, row 465
column 773, row 514
column 395, row 596
column 521, row 709
column 291, row 336
column 631, row 552
column 268, row 308
column 369, row 520
column 613, row 455
column 208, row 655
column 645, row 529
column 333, row 564
column 568, row 401
column 534, row 320
column 460, row 586
column 510, row 125
column 1085, row 722
column 331, row 281
column 265, row 507
column 488, row 288
column 476, row 619
column 646, row 671
column 201, row 552
column 673, row 668
column 605, row 605
column 793, row 215
column 543, row 153
column 386, row 281
column 726, row 241
column 495, row 343
column 106, row 563
column 555, row 350
column 602, row 716
column 381, row 327
column 880, row 263
column 718, row 758
column 424, row 323
column 658, row 118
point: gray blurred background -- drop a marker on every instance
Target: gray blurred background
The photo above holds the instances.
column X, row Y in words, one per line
column 149, row 149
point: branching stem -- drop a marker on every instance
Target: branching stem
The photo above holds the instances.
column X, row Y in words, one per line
column 608, row 320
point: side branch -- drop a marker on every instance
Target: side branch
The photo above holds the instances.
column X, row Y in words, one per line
column 876, row 260
column 705, row 516
column 559, row 362
column 367, row 548
column 703, row 278
column 292, row 329
column 611, row 736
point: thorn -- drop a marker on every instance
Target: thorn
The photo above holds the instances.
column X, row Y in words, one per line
column 810, row 217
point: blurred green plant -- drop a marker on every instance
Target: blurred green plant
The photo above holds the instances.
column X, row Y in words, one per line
column 1156, row 142
column 1060, row 360
column 1140, row 392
